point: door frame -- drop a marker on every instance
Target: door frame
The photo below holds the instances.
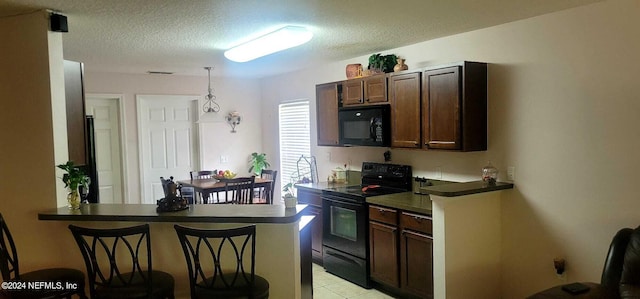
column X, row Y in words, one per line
column 194, row 101
column 119, row 98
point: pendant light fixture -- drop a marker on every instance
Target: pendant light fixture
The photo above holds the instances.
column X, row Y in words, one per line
column 281, row 39
column 210, row 104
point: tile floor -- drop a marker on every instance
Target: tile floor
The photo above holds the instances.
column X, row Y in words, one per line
column 329, row 286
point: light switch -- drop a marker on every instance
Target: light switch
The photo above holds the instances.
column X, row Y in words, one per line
column 224, row 159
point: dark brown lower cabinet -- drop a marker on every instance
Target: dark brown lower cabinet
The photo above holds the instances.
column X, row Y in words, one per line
column 401, row 251
column 383, row 241
column 416, row 251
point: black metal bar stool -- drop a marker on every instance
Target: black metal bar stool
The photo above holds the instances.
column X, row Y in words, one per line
column 107, row 252
column 211, row 275
column 67, row 278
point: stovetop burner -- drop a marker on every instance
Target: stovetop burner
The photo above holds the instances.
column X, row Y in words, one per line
column 377, row 179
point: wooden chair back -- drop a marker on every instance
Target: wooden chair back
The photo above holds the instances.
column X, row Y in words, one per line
column 272, row 175
column 239, row 190
column 203, row 174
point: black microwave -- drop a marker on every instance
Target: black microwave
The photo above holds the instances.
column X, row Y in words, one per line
column 365, row 125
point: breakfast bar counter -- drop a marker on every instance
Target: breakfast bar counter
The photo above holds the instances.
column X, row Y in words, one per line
column 205, row 213
column 279, row 235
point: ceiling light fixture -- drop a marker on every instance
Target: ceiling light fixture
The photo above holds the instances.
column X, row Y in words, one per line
column 210, row 105
column 281, row 39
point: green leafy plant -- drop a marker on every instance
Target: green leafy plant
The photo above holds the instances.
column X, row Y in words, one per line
column 288, row 191
column 382, row 62
column 74, row 177
column 258, row 163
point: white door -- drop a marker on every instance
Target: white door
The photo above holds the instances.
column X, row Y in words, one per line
column 167, row 141
column 105, row 111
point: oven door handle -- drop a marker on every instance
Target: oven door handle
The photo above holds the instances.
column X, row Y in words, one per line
column 342, row 202
column 341, row 257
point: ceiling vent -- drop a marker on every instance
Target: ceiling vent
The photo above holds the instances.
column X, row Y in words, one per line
column 159, row 73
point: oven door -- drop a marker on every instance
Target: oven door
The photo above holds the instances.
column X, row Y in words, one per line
column 345, row 225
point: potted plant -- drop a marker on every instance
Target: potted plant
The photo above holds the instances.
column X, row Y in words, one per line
column 290, row 200
column 258, row 163
column 384, row 63
column 73, row 179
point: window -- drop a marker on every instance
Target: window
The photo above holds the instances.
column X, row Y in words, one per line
column 294, row 138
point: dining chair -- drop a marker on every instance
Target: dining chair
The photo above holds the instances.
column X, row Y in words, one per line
column 264, row 195
column 119, row 264
column 201, row 175
column 211, row 275
column 10, row 269
column 165, row 185
column 239, row 190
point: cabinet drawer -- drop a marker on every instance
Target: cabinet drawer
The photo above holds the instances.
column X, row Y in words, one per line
column 384, row 215
column 416, row 222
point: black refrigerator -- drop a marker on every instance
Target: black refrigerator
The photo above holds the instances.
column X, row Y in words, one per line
column 90, row 168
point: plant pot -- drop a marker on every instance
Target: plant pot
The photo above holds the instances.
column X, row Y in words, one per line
column 290, row 202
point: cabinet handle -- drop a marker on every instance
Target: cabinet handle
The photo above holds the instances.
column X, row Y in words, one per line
column 381, row 211
column 367, row 100
column 418, row 219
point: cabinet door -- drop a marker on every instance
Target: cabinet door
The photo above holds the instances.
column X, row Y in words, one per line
column 404, row 96
column 314, row 200
column 76, row 124
column 383, row 247
column 316, row 234
column 416, row 263
column 327, row 113
column 352, row 93
column 375, row 89
column 441, row 108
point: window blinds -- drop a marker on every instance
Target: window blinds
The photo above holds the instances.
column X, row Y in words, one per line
column 294, row 138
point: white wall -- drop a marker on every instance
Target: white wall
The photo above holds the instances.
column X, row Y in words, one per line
column 242, row 95
column 563, row 110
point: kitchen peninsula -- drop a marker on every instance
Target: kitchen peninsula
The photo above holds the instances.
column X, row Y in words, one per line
column 278, row 239
column 460, row 222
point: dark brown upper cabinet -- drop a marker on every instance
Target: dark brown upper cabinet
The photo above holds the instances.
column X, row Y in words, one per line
column 75, row 106
column 327, row 97
column 365, row 91
column 454, row 107
column 404, row 97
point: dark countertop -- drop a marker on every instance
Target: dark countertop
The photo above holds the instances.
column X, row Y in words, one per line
column 460, row 189
column 418, row 203
column 407, row 201
column 212, row 213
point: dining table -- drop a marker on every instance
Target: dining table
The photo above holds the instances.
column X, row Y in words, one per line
column 207, row 187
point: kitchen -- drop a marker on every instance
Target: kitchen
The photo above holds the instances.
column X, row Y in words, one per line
column 561, row 111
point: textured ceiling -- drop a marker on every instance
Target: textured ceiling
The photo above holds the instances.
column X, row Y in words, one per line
column 183, row 36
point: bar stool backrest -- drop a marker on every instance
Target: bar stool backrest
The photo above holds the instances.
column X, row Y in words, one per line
column 117, row 259
column 8, row 254
column 219, row 260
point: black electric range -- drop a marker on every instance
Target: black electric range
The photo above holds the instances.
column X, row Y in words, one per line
column 345, row 237
column 376, row 179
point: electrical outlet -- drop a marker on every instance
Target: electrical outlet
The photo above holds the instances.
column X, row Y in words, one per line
column 224, row 159
column 511, row 173
column 327, row 156
column 439, row 172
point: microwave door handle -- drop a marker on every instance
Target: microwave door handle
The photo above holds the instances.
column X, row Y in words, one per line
column 372, row 129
